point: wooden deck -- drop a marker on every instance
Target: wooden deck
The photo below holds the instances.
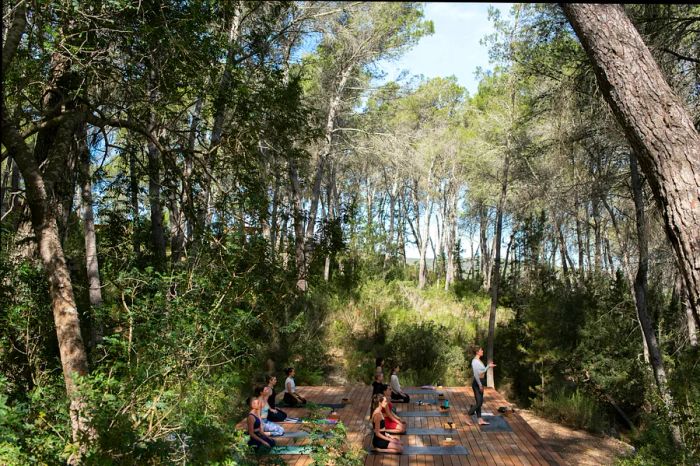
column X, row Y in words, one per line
column 522, row 446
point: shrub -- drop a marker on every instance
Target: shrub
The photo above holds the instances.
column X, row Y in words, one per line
column 576, row 409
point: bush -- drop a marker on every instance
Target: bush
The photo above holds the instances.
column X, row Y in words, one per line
column 576, row 409
column 423, row 348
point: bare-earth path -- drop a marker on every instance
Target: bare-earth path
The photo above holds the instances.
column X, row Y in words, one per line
column 576, row 447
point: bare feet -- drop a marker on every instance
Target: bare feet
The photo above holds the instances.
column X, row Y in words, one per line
column 483, row 423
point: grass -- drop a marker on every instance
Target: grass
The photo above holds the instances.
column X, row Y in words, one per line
column 573, row 409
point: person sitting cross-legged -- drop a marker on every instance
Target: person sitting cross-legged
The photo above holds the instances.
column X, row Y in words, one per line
column 291, row 397
column 258, row 438
column 263, row 394
column 381, row 440
column 396, row 393
column 275, row 414
column 393, row 423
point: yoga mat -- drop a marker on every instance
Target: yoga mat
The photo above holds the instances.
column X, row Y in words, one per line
column 496, row 424
column 433, row 401
column 323, row 405
column 423, row 414
column 419, row 391
column 418, row 431
column 411, row 450
column 289, row 450
column 300, row 434
column 309, row 421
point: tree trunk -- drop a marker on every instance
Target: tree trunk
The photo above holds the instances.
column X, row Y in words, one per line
column 177, row 222
column 389, row 248
column 655, row 122
column 157, row 233
column 680, row 298
column 579, row 240
column 91, row 262
column 274, row 226
column 425, row 237
column 496, row 275
column 188, row 185
column 299, row 249
column 505, row 262
column 483, row 245
column 134, row 194
column 65, row 312
column 565, row 260
column 451, row 230
column 640, row 293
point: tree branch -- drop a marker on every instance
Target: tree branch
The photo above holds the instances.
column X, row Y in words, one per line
column 14, row 34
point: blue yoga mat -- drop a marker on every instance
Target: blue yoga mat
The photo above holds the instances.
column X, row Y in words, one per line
column 420, row 391
column 300, row 434
column 496, row 424
column 289, row 450
column 323, row 405
column 309, row 421
column 409, row 450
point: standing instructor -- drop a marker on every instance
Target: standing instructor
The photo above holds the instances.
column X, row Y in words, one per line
column 479, row 371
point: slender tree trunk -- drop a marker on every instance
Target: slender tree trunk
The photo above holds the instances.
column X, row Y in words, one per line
column 579, row 242
column 177, row 223
column 425, row 237
column 597, row 251
column 300, row 252
column 157, row 233
column 134, row 194
column 655, row 122
column 451, row 237
column 496, row 276
column 483, row 245
column 188, row 198
column 565, row 260
column 611, row 264
column 640, row 293
column 508, row 248
column 91, row 262
column 389, row 248
column 274, row 226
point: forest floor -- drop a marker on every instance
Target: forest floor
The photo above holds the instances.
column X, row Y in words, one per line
column 574, row 445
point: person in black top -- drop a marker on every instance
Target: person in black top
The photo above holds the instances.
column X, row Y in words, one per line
column 275, row 414
column 378, row 384
column 257, row 436
column 381, row 441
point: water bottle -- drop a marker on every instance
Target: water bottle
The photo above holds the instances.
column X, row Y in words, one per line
column 446, row 404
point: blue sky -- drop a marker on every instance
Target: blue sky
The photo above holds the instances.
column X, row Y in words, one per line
column 454, row 48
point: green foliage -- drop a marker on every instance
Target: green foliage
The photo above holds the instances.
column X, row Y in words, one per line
column 576, row 409
column 331, row 447
column 36, row 428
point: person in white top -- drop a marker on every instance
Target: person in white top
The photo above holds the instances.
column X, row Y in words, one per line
column 291, row 397
column 396, row 393
column 479, row 370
